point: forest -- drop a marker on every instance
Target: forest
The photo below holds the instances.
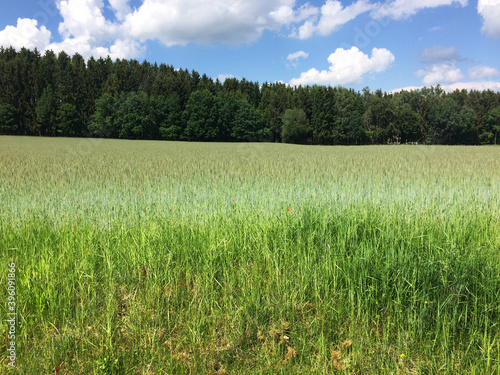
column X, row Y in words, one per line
column 62, row 95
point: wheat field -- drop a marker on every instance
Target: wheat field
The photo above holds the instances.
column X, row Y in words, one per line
column 144, row 257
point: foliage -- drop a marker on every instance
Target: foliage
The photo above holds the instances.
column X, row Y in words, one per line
column 103, row 120
column 452, row 123
column 46, row 112
column 128, row 99
column 296, row 128
column 169, row 116
column 201, row 117
column 135, row 116
column 8, row 119
column 410, row 124
column 247, row 125
column 493, row 120
column 68, row 121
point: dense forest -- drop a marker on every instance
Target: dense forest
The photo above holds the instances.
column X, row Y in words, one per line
column 62, row 95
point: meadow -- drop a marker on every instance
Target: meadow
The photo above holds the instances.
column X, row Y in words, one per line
column 146, row 257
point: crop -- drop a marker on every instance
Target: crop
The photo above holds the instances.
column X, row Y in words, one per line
column 145, row 257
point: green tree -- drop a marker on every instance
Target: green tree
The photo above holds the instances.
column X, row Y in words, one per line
column 48, row 68
column 24, row 86
column 69, row 122
column 46, row 113
column 452, row 124
column 136, row 117
column 410, row 124
column 102, row 123
column 493, row 120
column 201, row 116
column 296, row 128
column 228, row 106
column 169, row 117
column 8, row 119
column 247, row 124
column 322, row 115
column 272, row 106
column 380, row 118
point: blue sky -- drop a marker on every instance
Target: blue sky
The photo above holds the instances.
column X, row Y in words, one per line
column 386, row 44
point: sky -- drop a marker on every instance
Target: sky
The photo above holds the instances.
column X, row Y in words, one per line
column 380, row 44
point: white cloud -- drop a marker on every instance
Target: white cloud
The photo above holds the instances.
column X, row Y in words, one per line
column 332, row 16
column 120, row 8
column 84, row 18
column 481, row 72
column 490, row 11
column 205, row 21
column 399, row 9
column 478, row 86
column 120, row 49
column 306, row 11
column 439, row 54
column 223, row 77
column 286, row 14
column 71, row 46
column 283, row 15
column 126, row 48
column 407, row 88
column 297, row 55
column 347, row 67
column 440, row 74
column 305, row 31
column 293, row 58
column 25, row 34
column 86, row 31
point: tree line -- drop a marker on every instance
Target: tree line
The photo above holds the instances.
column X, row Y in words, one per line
column 62, row 95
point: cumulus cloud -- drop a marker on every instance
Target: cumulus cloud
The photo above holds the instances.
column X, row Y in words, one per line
column 347, row 67
column 119, row 49
column 481, row 72
column 293, row 58
column 305, row 31
column 332, row 16
column 25, row 34
column 206, row 21
column 121, row 8
column 478, row 86
column 439, row 54
column 297, row 55
column 440, row 74
column 490, row 12
column 84, row 18
column 441, row 68
column 400, row 9
column 223, row 77
column 286, row 14
column 86, row 29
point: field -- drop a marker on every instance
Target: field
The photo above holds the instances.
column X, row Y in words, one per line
column 143, row 257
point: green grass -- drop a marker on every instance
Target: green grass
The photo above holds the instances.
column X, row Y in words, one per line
column 136, row 257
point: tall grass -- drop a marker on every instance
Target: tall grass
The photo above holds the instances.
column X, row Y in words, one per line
column 171, row 258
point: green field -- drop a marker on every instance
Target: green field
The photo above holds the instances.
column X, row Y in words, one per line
column 143, row 257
